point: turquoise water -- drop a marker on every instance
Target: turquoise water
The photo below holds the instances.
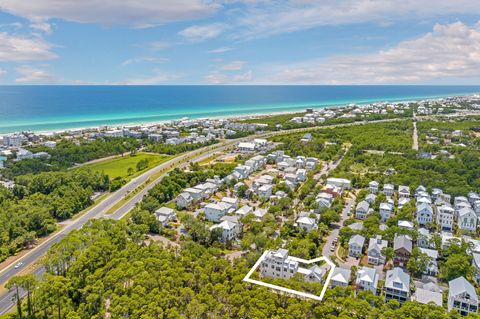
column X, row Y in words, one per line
column 45, row 108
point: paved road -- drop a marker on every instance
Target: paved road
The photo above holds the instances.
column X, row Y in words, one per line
column 349, row 202
column 98, row 211
column 415, row 133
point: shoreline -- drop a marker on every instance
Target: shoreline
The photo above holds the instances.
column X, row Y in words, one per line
column 244, row 116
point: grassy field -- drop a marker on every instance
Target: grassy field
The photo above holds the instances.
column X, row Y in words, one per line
column 273, row 120
column 118, row 167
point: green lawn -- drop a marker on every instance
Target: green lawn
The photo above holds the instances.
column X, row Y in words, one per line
column 118, row 167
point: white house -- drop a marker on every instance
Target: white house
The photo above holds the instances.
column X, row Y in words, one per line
column 462, row 296
column 229, row 230
column 277, row 264
column 362, row 210
column 373, row 187
column 231, row 202
column 183, row 200
column 312, row 274
column 306, row 223
column 386, row 211
column 397, row 285
column 476, row 265
column 403, row 191
column 355, row 246
column 388, row 190
column 265, row 191
column 374, row 252
column 445, row 217
column 340, row 277
column 165, row 215
column 213, row 212
column 467, row 219
column 340, row 182
column 367, row 279
column 424, row 214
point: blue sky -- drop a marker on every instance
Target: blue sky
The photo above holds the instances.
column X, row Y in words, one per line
column 239, row 42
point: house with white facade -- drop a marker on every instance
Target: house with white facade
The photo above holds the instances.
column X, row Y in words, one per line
column 355, row 246
column 467, row 219
column 362, row 210
column 424, row 213
column 183, row 200
column 374, row 252
column 445, row 217
column 214, row 211
column 340, row 277
column 367, row 279
column 386, row 211
column 476, row 266
column 165, row 215
column 388, row 190
column 229, row 230
column 403, row 191
column 373, row 187
column 397, row 285
column 277, row 264
column 462, row 296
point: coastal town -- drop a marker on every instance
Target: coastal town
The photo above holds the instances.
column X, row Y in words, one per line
column 290, row 189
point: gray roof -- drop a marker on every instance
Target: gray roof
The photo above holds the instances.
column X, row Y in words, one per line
column 363, row 206
column 460, row 285
column 402, row 241
column 425, row 206
column 358, row 240
column 397, row 279
column 341, row 275
column 426, row 296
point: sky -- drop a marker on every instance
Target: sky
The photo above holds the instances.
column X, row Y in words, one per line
column 149, row 42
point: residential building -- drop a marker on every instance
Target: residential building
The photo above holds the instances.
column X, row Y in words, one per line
column 213, row 212
column 424, row 213
column 467, row 219
column 402, row 246
column 355, row 246
column 367, row 279
column 183, row 200
column 462, row 296
column 386, row 211
column 445, row 217
column 229, row 230
column 397, row 285
column 388, row 190
column 340, row 277
column 476, row 265
column 312, row 274
column 362, row 210
column 277, row 264
column 306, row 223
column 427, row 294
column 373, row 187
column 424, row 239
column 403, row 191
column 374, row 252
column 165, row 215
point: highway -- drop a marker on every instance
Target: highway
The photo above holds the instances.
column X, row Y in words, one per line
column 99, row 211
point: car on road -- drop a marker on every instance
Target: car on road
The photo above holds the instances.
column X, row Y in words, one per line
column 335, row 240
column 18, row 265
column 332, row 248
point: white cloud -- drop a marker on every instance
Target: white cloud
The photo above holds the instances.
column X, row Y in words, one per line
column 30, row 74
column 198, row 33
column 135, row 13
column 158, row 45
column 264, row 18
column 158, row 77
column 217, row 77
column 18, row 48
column 220, row 50
column 42, row 26
column 450, row 51
column 144, row 59
column 233, row 66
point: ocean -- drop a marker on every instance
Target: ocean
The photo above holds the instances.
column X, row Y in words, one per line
column 49, row 108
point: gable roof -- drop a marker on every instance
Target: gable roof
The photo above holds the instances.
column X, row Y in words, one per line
column 402, row 241
column 397, row 279
column 459, row 286
column 357, row 240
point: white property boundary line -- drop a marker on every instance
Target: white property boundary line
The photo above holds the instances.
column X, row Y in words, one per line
column 291, row 291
